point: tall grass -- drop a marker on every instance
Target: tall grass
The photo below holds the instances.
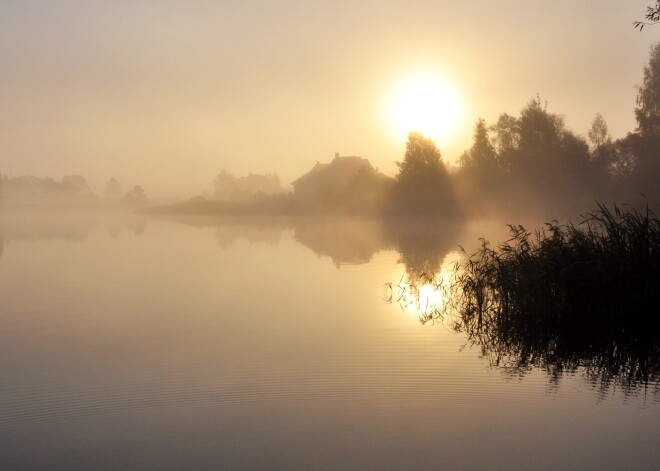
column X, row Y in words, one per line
column 606, row 268
column 567, row 297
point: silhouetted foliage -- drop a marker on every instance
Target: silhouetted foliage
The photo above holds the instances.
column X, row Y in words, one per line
column 481, row 159
column 481, row 171
column 548, row 156
column 421, row 162
column 572, row 296
column 530, row 163
column 77, row 181
column 602, row 150
column 507, row 135
column 135, row 198
column 30, row 192
column 532, row 160
column 647, row 112
column 652, row 16
column 575, row 297
column 639, row 152
column 250, row 188
column 599, row 134
column 112, row 188
column 423, row 184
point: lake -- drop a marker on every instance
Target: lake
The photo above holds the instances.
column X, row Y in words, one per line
column 131, row 343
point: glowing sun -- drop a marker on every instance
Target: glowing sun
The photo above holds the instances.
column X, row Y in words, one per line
column 425, row 103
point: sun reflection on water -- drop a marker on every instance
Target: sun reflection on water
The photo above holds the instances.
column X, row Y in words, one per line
column 424, row 295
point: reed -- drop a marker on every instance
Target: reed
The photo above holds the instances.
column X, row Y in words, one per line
column 605, row 268
column 567, row 297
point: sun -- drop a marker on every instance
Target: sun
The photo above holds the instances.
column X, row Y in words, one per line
column 426, row 103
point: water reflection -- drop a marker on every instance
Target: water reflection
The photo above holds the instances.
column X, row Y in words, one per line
column 70, row 227
column 161, row 341
column 606, row 354
column 421, row 243
column 345, row 242
column 230, row 229
column 423, row 294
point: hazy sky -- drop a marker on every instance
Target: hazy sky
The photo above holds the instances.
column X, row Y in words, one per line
column 166, row 93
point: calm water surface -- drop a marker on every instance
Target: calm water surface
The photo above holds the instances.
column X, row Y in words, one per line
column 154, row 344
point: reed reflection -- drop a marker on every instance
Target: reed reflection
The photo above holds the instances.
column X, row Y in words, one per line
column 606, row 353
column 574, row 299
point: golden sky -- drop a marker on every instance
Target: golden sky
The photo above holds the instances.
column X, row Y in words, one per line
column 166, row 93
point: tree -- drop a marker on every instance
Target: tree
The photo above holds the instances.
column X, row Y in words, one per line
column 481, row 159
column 598, row 134
column 536, row 141
column 652, row 16
column 422, row 161
column 112, row 188
column 224, row 185
column 135, row 198
column 624, row 158
column 423, row 184
column 78, row 182
column 647, row 112
column 603, row 152
column 540, row 160
column 230, row 188
column 538, row 128
column 507, row 133
column 479, row 167
column 644, row 143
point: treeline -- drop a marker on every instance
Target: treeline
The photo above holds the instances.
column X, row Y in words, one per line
column 71, row 192
column 533, row 159
column 252, row 187
column 520, row 164
column 533, row 163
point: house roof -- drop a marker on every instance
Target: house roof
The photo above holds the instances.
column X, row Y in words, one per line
column 316, row 169
column 341, row 167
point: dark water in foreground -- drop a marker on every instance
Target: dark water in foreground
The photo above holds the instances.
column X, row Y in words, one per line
column 149, row 344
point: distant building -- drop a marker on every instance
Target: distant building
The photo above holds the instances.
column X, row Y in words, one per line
column 336, row 175
column 230, row 188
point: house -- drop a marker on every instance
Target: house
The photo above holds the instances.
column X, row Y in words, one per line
column 336, row 175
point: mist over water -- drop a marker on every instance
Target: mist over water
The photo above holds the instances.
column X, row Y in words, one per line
column 207, row 341
column 330, row 236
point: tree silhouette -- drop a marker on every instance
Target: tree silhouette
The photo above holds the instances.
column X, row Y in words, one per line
column 598, row 134
column 647, row 112
column 480, row 171
column 641, row 147
column 423, row 184
column 481, row 159
column 603, row 151
column 422, row 161
column 112, row 188
column 135, row 198
column 652, row 16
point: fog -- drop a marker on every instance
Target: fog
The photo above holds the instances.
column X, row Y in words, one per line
column 351, row 235
column 165, row 95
